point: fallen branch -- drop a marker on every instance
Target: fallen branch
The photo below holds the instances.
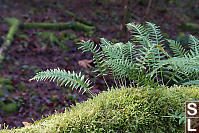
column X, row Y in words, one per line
column 17, row 24
column 76, row 26
column 10, row 36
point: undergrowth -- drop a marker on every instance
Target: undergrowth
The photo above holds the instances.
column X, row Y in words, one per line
column 142, row 61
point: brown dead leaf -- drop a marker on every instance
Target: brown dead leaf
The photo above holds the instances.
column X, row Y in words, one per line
column 85, row 63
column 26, row 124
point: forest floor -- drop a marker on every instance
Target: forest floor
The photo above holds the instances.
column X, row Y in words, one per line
column 34, row 50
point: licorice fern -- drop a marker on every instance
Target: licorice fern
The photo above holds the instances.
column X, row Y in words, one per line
column 143, row 60
column 177, row 49
column 75, row 81
column 184, row 64
column 89, row 46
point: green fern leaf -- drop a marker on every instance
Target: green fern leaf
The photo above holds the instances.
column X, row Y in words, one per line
column 176, row 48
column 139, row 32
column 62, row 77
column 88, row 46
column 194, row 43
column 154, row 34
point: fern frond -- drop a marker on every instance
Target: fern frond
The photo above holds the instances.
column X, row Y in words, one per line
column 105, row 42
column 139, row 32
column 194, row 44
column 62, row 77
column 130, row 52
column 192, row 82
column 121, row 67
column 176, row 48
column 88, row 46
column 155, row 35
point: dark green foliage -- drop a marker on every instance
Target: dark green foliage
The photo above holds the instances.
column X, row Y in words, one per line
column 184, row 64
column 89, row 46
column 5, row 81
column 133, row 59
column 10, row 108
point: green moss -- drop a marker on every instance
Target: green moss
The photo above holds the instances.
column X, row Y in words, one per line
column 76, row 26
column 53, row 98
column 1, row 103
column 190, row 27
column 10, row 108
column 13, row 29
column 182, row 38
column 10, row 88
column 21, row 87
column 1, row 92
column 121, row 110
column 5, row 81
column 42, row 108
column 22, row 36
column 66, row 59
column 69, row 97
column 69, row 13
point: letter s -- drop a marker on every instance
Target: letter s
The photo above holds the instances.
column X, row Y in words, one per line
column 192, row 108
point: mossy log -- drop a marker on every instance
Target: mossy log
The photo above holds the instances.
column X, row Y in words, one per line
column 135, row 110
column 13, row 29
column 76, row 26
column 10, row 36
column 17, row 24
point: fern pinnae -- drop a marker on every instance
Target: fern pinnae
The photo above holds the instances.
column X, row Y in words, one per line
column 89, row 46
column 139, row 31
column 176, row 48
column 76, row 81
column 193, row 43
column 154, row 33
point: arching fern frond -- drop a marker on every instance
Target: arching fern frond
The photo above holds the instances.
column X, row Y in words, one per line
column 193, row 82
column 194, row 43
column 121, row 67
column 155, row 35
column 89, row 46
column 139, row 32
column 105, row 42
column 177, row 49
column 62, row 77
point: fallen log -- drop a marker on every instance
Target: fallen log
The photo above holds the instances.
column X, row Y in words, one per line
column 17, row 25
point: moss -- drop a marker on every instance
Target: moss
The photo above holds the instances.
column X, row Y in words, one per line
column 66, row 59
column 76, row 26
column 21, row 87
column 182, row 38
column 190, row 27
column 71, row 36
column 54, row 98
column 69, row 13
column 12, row 31
column 1, row 103
column 5, row 81
column 121, row 110
column 10, row 108
column 1, row 92
column 10, row 88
